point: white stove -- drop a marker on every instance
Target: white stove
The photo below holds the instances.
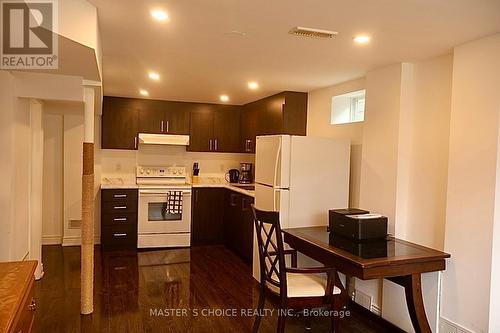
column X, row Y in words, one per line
column 157, row 227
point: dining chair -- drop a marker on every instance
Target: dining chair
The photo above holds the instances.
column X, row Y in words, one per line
column 291, row 288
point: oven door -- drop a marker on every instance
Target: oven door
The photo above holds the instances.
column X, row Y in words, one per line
column 154, row 218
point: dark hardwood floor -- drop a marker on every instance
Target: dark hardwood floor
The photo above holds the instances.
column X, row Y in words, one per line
column 129, row 286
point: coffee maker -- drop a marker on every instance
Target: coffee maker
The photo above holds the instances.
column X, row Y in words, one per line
column 246, row 176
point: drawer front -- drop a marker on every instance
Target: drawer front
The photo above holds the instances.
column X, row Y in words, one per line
column 124, row 235
column 119, row 208
column 119, row 195
column 117, row 219
column 27, row 313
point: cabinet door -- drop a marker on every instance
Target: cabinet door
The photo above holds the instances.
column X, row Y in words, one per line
column 248, row 128
column 207, row 216
column 247, row 229
column 177, row 116
column 151, row 121
column 201, row 130
column 120, row 124
column 232, row 215
column 270, row 115
column 295, row 113
column 227, row 129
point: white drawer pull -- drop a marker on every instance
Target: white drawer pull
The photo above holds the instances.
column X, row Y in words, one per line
column 120, row 219
column 119, row 196
column 120, row 234
column 120, row 207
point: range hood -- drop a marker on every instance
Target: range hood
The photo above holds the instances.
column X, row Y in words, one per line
column 163, row 139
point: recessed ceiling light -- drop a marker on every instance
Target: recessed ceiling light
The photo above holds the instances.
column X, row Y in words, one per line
column 253, row 85
column 159, row 15
column 143, row 92
column 154, row 76
column 224, row 98
column 361, row 39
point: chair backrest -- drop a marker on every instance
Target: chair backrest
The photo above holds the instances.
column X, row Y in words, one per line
column 271, row 250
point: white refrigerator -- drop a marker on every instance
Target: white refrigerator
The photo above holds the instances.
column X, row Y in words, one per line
column 302, row 178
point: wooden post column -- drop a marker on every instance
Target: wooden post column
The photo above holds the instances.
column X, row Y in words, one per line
column 87, row 248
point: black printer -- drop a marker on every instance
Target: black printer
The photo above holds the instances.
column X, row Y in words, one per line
column 357, row 224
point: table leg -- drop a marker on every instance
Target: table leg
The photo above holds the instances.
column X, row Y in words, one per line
column 414, row 301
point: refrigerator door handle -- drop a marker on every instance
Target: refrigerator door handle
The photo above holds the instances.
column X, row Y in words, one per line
column 276, row 163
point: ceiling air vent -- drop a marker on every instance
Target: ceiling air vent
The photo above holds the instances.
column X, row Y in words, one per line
column 310, row 32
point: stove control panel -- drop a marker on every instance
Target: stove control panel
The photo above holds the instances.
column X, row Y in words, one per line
column 155, row 172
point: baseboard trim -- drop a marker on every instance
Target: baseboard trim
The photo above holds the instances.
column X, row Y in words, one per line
column 390, row 327
column 77, row 241
column 446, row 325
column 52, row 240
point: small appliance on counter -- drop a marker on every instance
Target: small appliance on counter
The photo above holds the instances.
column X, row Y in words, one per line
column 246, row 176
column 357, row 224
column 233, row 175
column 196, row 172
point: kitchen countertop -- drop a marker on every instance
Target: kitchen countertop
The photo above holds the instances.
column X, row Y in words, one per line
column 119, row 183
column 222, row 183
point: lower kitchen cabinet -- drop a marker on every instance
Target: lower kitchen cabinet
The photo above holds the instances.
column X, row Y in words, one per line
column 207, row 216
column 119, row 218
column 238, row 225
column 222, row 216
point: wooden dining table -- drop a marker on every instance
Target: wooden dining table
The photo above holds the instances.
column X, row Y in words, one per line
column 394, row 259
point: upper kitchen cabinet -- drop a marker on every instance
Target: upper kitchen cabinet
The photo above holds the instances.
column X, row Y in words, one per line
column 162, row 117
column 120, row 124
column 215, row 128
column 283, row 113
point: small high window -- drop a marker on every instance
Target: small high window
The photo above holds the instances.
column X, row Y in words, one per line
column 348, row 108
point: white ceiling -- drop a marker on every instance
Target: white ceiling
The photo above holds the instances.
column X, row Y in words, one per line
column 199, row 58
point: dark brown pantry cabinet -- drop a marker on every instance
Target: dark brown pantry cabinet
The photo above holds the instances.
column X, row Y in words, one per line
column 215, row 128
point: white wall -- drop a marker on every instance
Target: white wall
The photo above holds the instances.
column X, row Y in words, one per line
column 318, row 124
column 22, row 184
column 421, row 177
column 52, row 220
column 471, row 215
column 6, row 165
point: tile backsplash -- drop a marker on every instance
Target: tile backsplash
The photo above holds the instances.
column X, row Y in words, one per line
column 122, row 163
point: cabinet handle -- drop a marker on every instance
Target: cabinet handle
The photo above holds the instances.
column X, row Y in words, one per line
column 32, row 305
column 135, row 142
column 119, row 196
column 120, row 207
column 167, row 127
column 233, row 200
column 161, row 126
column 244, row 206
column 210, row 144
column 120, row 219
column 122, row 234
column 216, row 144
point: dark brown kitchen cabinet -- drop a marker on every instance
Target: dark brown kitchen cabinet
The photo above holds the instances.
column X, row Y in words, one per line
column 283, row 113
column 120, row 124
column 249, row 127
column 215, row 128
column 207, row 216
column 238, row 225
column 119, row 218
column 163, row 117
